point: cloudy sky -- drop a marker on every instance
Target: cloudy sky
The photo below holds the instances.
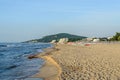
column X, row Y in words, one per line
column 22, row 20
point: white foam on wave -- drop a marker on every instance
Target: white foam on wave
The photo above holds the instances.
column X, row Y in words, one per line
column 39, row 50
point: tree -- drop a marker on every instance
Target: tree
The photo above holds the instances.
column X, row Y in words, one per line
column 119, row 38
column 116, row 37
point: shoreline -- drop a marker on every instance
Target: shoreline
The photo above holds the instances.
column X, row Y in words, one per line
column 50, row 69
column 78, row 62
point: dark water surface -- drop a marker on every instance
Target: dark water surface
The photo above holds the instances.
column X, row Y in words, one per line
column 14, row 64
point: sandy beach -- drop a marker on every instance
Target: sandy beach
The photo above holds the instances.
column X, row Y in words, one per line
column 76, row 62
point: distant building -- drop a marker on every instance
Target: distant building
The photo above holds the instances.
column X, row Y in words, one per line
column 53, row 41
column 109, row 38
column 89, row 39
column 63, row 40
column 96, row 40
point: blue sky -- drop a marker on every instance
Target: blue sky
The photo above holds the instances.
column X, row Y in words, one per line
column 22, row 20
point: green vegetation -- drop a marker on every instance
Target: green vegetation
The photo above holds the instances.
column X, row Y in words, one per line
column 103, row 39
column 56, row 37
column 116, row 37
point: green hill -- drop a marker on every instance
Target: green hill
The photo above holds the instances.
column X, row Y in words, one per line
column 49, row 38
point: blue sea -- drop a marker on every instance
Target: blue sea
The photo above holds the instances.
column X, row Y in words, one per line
column 14, row 62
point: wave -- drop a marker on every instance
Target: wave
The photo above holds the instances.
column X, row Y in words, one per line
column 1, row 54
column 14, row 59
column 39, row 50
column 11, row 67
column 3, row 45
column 13, row 45
column 9, row 45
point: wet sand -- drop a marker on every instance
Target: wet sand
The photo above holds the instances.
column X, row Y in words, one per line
column 75, row 62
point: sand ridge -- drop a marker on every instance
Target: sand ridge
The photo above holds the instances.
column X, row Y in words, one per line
column 50, row 70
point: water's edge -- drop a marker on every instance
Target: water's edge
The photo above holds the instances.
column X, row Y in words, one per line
column 44, row 51
column 14, row 62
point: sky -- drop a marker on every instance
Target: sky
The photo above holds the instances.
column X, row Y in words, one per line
column 22, row 20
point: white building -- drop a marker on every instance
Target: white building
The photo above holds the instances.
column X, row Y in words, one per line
column 53, row 41
column 96, row 40
column 63, row 40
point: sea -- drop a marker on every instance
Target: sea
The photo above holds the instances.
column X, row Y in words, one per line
column 14, row 62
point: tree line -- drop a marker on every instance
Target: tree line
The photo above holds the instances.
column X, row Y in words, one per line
column 116, row 37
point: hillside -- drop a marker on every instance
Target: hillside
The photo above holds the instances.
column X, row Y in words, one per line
column 49, row 38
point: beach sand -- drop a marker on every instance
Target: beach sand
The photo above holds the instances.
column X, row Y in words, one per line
column 75, row 62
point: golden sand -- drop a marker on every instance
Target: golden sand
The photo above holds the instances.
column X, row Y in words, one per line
column 75, row 62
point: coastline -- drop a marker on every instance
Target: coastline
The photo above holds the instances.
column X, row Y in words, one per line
column 50, row 69
column 76, row 62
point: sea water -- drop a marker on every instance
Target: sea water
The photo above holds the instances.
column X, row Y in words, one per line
column 14, row 62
